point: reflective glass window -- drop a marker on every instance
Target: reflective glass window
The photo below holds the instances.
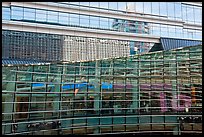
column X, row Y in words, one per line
column 84, row 20
column 171, row 10
column 163, row 8
column 122, row 6
column 130, row 7
column 94, row 21
column 84, row 3
column 94, row 4
column 17, row 13
column 104, row 23
column 148, row 7
column 178, row 10
column 104, row 5
column 190, row 14
column 41, row 15
column 74, row 19
column 53, row 16
column 179, row 32
column 155, row 8
column 156, row 29
column 111, row 22
column 184, row 12
column 6, row 13
column 113, row 5
column 198, row 14
column 171, row 31
column 64, row 18
column 164, row 30
column 29, row 14
column 139, row 7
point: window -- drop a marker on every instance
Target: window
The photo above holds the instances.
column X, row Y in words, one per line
column 171, row 10
column 53, row 16
column 64, row 18
column 104, row 5
column 190, row 14
column 6, row 13
column 139, row 7
column 122, row 6
column 94, row 21
column 156, row 29
column 74, row 19
column 164, row 31
column 163, row 8
column 29, row 14
column 155, row 8
column 179, row 32
column 113, row 5
column 178, row 11
column 147, row 7
column 130, row 7
column 198, row 14
column 104, row 23
column 84, row 3
column 171, row 31
column 94, row 4
column 17, row 13
column 41, row 15
column 84, row 20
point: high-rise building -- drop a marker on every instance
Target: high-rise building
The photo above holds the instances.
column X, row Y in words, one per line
column 92, row 68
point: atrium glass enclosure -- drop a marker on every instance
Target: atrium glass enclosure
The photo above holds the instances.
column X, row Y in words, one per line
column 146, row 93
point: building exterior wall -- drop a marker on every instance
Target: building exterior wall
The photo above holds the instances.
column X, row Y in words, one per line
column 153, row 92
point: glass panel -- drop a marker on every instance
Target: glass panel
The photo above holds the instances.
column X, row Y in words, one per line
column 164, row 30
column 155, row 8
column 84, row 3
column 94, row 4
column 190, row 14
column 122, row 6
column 84, row 20
column 94, row 21
column 63, row 18
column 17, row 13
column 130, row 7
column 29, row 14
column 148, row 7
column 156, row 29
column 113, row 5
column 139, row 7
column 171, row 10
column 178, row 10
column 171, row 31
column 53, row 16
column 41, row 15
column 6, row 13
column 104, row 23
column 74, row 19
column 163, row 8
column 184, row 12
column 104, row 5
column 198, row 14
column 179, row 32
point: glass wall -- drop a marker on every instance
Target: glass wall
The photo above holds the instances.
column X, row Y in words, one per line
column 154, row 92
column 113, row 24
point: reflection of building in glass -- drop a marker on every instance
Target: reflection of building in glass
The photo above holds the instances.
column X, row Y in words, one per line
column 67, row 67
column 106, row 96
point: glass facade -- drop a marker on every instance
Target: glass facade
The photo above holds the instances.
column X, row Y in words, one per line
column 194, row 13
column 153, row 92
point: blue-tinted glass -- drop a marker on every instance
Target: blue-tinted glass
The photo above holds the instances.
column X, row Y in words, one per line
column 41, row 15
column 63, row 18
column 147, row 8
column 197, row 13
column 170, row 6
column 113, row 5
column 94, row 21
column 163, row 8
column 179, row 32
column 104, row 5
column 6, row 13
column 74, row 19
column 84, row 20
column 17, row 13
column 139, row 7
column 164, row 31
column 190, row 14
column 104, row 23
column 52, row 16
column 155, row 8
column 84, row 3
column 111, row 22
column 94, row 4
column 156, row 29
column 171, row 31
column 122, row 6
column 29, row 14
column 184, row 12
column 178, row 10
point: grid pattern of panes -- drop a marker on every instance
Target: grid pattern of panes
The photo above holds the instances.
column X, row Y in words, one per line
column 50, row 47
column 155, row 92
column 99, row 22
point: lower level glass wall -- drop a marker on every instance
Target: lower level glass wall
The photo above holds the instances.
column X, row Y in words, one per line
column 157, row 93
